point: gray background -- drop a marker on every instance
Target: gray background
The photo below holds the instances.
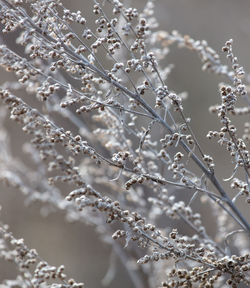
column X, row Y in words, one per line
column 78, row 247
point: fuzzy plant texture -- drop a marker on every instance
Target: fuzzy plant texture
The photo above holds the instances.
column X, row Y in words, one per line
column 108, row 143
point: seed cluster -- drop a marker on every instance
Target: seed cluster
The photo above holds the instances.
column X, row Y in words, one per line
column 111, row 145
column 32, row 269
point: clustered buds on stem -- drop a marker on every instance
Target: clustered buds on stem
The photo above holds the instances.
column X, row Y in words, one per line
column 105, row 123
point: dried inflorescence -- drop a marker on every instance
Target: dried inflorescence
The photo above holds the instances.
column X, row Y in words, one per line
column 34, row 272
column 129, row 149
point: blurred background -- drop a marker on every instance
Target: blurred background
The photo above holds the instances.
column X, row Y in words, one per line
column 76, row 246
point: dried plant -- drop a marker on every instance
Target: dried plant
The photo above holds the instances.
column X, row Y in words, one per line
column 16, row 251
column 105, row 124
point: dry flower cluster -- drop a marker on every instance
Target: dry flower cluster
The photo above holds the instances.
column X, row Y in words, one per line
column 130, row 146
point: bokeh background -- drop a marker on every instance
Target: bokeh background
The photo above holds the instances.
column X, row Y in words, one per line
column 77, row 246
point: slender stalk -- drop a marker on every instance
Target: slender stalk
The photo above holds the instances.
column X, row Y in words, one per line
column 83, row 62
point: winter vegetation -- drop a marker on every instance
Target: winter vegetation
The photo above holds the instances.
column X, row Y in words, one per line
column 108, row 143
